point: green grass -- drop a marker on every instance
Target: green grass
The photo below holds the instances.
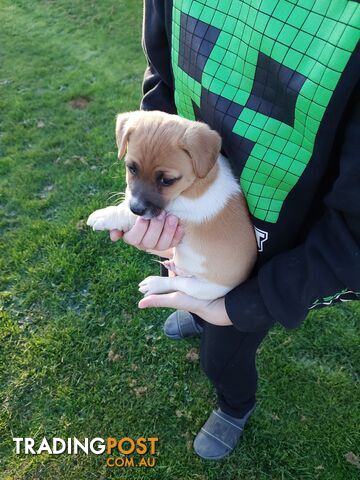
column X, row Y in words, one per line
column 69, row 296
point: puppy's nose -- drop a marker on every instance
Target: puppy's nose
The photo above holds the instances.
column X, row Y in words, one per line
column 137, row 208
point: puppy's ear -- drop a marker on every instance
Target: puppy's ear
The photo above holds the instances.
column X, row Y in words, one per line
column 125, row 124
column 203, row 147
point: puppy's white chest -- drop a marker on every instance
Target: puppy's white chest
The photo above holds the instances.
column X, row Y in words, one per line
column 187, row 260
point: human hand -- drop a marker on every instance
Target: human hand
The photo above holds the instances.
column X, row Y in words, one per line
column 212, row 311
column 157, row 235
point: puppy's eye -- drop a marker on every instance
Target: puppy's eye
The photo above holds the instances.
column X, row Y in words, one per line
column 167, row 182
column 132, row 169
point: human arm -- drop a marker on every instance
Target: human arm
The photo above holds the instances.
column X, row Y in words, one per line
column 158, row 89
column 325, row 264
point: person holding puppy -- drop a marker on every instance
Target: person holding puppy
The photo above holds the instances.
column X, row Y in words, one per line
column 279, row 83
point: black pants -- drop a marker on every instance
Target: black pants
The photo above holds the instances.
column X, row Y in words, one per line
column 228, row 359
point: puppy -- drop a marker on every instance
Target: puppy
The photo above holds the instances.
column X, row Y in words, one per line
column 175, row 165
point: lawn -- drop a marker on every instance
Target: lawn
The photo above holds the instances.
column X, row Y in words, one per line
column 77, row 358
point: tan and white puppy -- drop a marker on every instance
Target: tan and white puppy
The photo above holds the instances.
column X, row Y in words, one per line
column 175, row 165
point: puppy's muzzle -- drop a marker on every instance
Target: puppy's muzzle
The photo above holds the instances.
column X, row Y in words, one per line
column 144, row 209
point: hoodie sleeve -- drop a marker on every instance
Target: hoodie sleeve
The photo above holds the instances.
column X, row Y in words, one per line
column 158, row 84
column 325, row 268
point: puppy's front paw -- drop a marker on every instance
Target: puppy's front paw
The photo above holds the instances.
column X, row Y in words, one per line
column 103, row 219
column 152, row 285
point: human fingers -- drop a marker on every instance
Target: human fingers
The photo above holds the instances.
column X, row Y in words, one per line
column 177, row 300
column 179, row 233
column 167, row 234
column 115, row 235
column 135, row 235
column 154, row 231
column 212, row 311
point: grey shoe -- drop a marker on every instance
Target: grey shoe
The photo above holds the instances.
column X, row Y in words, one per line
column 181, row 324
column 220, row 434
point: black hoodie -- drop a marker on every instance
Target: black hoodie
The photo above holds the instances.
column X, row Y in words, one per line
column 279, row 82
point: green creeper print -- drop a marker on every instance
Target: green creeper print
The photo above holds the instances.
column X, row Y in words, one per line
column 344, row 295
column 313, row 39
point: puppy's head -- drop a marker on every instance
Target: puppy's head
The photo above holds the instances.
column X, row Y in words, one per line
column 165, row 155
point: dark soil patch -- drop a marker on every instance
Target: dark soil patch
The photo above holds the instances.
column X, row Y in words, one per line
column 79, row 103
